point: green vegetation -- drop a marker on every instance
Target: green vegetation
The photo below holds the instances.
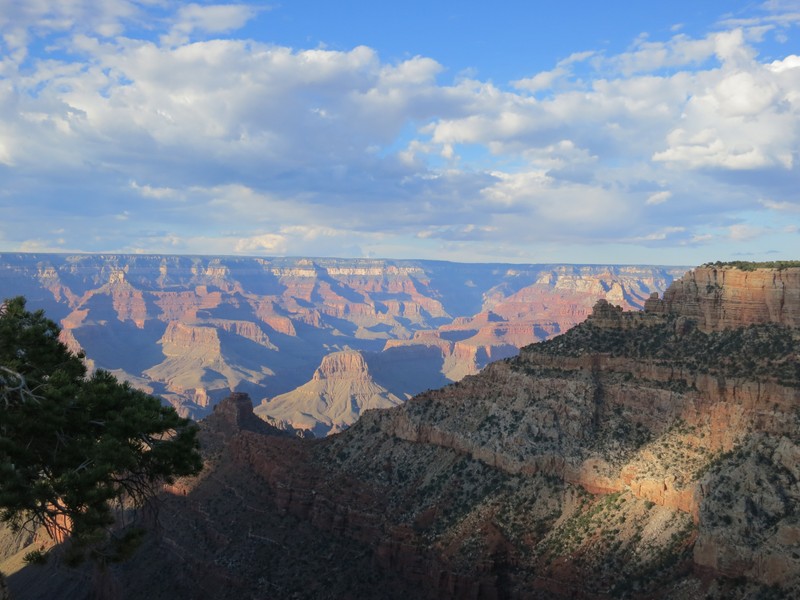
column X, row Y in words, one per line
column 73, row 448
column 35, row 557
column 753, row 352
column 745, row 265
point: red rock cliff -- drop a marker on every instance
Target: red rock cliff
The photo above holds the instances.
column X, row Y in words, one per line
column 726, row 297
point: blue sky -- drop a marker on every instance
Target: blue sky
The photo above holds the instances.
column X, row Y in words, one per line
column 586, row 132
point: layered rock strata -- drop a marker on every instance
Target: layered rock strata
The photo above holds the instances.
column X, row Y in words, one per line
column 639, row 455
column 339, row 391
column 657, row 409
column 194, row 329
column 726, row 297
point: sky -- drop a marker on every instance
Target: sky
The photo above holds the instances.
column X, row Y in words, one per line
column 526, row 132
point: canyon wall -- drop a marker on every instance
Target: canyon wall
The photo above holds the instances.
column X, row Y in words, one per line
column 644, row 454
column 687, row 413
column 726, row 297
column 194, row 329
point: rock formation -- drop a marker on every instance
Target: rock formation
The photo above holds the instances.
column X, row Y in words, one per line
column 724, row 297
column 638, row 455
column 339, row 391
column 194, row 329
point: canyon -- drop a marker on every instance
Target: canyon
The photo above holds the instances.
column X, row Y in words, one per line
column 191, row 330
column 640, row 454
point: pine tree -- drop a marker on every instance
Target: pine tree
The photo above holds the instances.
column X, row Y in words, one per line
column 72, row 445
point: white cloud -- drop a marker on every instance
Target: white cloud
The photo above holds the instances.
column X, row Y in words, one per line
column 679, row 51
column 541, row 205
column 267, row 243
column 548, row 79
column 658, row 198
column 790, row 62
column 214, row 18
column 246, row 146
column 742, row 232
column 701, row 238
column 660, row 235
column 707, row 148
column 784, row 206
column 20, row 21
column 739, row 116
column 541, row 81
column 158, row 193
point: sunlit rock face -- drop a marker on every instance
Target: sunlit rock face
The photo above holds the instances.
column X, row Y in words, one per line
column 340, row 389
column 194, row 329
column 724, row 297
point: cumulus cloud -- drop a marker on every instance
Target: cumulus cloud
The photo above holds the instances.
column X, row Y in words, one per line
column 215, row 18
column 191, row 139
column 547, row 80
column 270, row 243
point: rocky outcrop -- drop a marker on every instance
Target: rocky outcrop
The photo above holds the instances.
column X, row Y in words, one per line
column 727, row 297
column 245, row 329
column 184, row 305
column 128, row 302
column 197, row 338
column 234, row 414
column 339, row 391
column 342, row 365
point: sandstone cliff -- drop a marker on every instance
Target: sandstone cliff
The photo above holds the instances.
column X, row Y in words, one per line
column 724, row 297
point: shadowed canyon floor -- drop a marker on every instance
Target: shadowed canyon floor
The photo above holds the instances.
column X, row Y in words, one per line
column 643, row 454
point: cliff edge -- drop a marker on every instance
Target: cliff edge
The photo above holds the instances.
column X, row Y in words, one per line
column 726, row 297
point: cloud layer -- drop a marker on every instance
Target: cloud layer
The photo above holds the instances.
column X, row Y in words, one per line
column 128, row 126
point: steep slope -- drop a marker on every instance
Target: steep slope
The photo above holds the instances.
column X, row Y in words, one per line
column 637, row 455
column 217, row 536
column 199, row 367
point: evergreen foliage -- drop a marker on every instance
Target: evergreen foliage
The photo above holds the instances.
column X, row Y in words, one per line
column 754, row 352
column 72, row 445
column 745, row 265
